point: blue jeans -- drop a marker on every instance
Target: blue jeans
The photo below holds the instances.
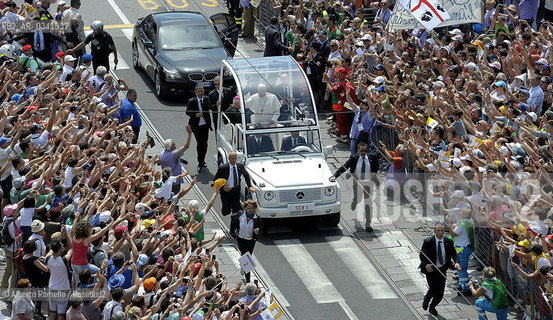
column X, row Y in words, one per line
column 464, row 263
column 483, row 305
column 77, row 270
column 353, row 146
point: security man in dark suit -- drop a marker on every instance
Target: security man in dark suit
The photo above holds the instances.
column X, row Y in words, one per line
column 364, row 168
column 292, row 141
column 273, row 42
column 230, row 192
column 200, row 122
column 437, row 255
column 214, row 102
column 257, row 143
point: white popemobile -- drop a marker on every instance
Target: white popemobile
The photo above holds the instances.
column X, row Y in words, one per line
column 273, row 127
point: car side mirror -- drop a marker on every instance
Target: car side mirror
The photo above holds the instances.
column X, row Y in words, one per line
column 327, row 150
column 148, row 44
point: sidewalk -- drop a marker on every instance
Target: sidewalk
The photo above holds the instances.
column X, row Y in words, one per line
column 395, row 243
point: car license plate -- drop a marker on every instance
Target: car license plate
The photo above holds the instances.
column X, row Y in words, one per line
column 301, row 207
column 204, row 84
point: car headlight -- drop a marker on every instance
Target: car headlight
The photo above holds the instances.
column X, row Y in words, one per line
column 329, row 191
column 172, row 75
column 269, row 195
column 227, row 73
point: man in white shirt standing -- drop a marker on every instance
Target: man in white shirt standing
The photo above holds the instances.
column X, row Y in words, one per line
column 68, row 66
column 73, row 12
column 37, row 228
column 58, row 284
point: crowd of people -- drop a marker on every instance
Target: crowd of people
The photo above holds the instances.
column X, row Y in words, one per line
column 92, row 228
column 468, row 106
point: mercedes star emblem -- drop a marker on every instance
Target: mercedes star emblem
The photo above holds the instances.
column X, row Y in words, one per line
column 300, row 195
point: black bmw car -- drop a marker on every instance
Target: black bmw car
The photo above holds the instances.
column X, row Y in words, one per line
column 180, row 50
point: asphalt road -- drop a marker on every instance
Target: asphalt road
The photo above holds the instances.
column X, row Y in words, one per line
column 321, row 272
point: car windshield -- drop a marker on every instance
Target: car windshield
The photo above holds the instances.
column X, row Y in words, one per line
column 200, row 36
column 275, row 92
column 275, row 144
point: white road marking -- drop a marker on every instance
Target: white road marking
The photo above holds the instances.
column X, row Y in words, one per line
column 308, row 270
column 119, row 12
column 235, row 254
column 364, row 271
column 128, row 33
column 348, row 310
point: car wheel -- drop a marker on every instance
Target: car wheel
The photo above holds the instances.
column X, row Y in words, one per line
column 135, row 62
column 332, row 220
column 160, row 89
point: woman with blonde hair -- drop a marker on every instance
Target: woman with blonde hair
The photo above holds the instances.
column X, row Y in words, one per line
column 246, row 226
column 495, row 296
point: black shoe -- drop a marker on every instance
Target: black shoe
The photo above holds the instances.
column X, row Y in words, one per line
column 425, row 304
column 353, row 205
column 433, row 311
column 369, row 229
column 202, row 165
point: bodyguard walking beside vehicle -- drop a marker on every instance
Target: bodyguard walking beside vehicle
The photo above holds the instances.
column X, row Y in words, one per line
column 364, row 167
column 230, row 193
column 200, row 122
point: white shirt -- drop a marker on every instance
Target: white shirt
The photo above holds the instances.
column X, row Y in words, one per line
column 165, row 190
column 66, row 20
column 200, row 109
column 245, row 231
column 40, row 140
column 40, row 245
column 95, row 80
column 4, row 154
column 335, row 55
column 115, row 305
column 265, row 108
column 58, row 274
column 11, row 230
column 68, row 177
column 230, row 180
column 462, row 236
column 67, row 70
column 367, row 168
column 442, row 248
column 9, row 21
column 26, row 215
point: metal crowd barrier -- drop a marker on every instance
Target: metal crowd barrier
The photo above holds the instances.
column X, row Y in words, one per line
column 524, row 293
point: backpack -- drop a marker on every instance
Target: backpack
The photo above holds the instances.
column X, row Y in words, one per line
column 18, row 260
column 67, row 267
column 5, row 237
